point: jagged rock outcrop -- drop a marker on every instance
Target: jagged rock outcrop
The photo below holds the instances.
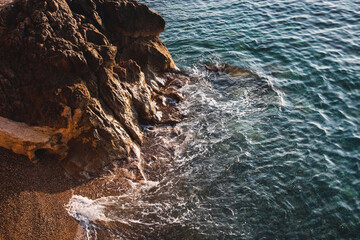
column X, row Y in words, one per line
column 84, row 74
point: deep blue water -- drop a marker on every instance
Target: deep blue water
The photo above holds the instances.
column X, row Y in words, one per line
column 274, row 154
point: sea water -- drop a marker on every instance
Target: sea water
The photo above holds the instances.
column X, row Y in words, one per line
column 272, row 154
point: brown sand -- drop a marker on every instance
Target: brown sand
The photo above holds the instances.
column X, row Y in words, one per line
column 33, row 196
column 32, row 199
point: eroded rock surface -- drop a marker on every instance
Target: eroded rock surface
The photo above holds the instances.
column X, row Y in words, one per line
column 89, row 72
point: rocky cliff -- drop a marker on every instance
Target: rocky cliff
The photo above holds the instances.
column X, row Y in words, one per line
column 78, row 78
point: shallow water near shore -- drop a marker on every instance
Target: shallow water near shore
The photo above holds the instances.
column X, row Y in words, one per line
column 274, row 154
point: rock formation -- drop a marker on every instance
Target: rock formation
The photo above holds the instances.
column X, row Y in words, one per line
column 79, row 77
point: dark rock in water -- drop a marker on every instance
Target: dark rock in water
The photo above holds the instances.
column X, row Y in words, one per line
column 78, row 77
column 240, row 77
column 227, row 68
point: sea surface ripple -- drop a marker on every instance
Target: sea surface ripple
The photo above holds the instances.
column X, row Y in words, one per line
column 273, row 155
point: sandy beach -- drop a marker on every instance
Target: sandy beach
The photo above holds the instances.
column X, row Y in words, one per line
column 32, row 199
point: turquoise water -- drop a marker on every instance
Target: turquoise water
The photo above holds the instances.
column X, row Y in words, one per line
column 274, row 154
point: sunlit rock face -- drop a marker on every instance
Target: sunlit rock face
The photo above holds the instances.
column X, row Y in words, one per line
column 82, row 75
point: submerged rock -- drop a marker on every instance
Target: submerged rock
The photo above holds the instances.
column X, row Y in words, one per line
column 85, row 75
column 227, row 68
column 239, row 78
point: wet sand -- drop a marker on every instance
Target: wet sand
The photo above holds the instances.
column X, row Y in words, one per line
column 33, row 196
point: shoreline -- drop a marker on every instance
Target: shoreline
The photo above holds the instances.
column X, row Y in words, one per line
column 95, row 120
column 33, row 196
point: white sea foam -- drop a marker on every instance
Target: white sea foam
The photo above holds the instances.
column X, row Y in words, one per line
column 86, row 210
column 151, row 204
